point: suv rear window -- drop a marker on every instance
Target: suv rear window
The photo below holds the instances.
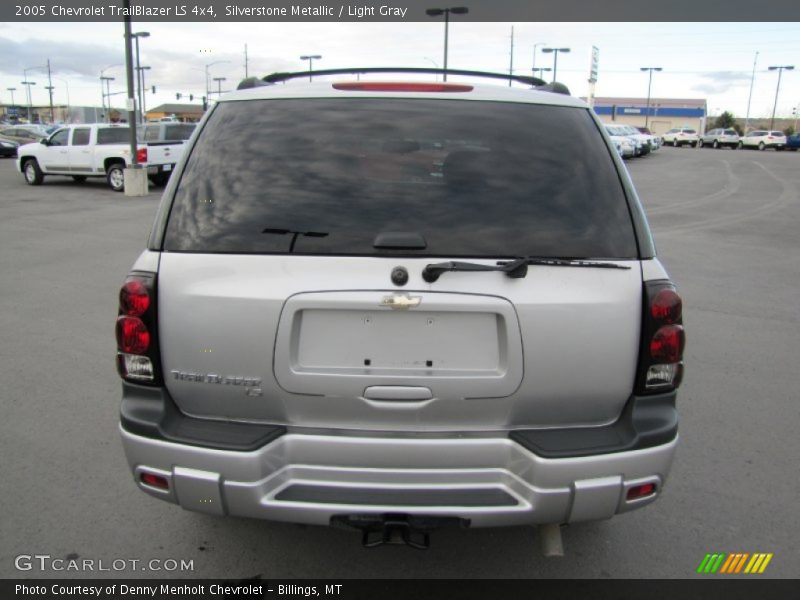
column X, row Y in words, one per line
column 326, row 176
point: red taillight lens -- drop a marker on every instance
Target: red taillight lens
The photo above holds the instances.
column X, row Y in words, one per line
column 156, row 481
column 393, row 86
column 667, row 344
column 134, row 299
column 141, row 155
column 641, row 491
column 666, row 306
column 132, row 335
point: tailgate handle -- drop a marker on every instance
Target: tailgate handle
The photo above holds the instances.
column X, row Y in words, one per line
column 397, row 392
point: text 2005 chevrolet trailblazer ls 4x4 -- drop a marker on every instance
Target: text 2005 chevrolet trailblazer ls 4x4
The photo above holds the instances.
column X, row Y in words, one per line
column 396, row 306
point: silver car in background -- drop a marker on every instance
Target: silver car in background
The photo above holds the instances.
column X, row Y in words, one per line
column 720, row 138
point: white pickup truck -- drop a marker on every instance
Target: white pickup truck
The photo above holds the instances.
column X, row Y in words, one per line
column 98, row 150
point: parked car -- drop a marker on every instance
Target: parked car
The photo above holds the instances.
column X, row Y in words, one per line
column 101, row 150
column 165, row 142
column 21, row 135
column 793, row 142
column 681, row 136
column 763, row 139
column 8, row 148
column 630, row 146
column 655, row 141
column 649, row 143
column 719, row 138
column 377, row 305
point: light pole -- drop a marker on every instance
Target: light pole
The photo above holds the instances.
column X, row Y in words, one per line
column 750, row 96
column 437, row 12
column 310, row 58
column 533, row 64
column 139, row 76
column 780, row 71
column 28, row 84
column 434, row 63
column 69, row 106
column 649, row 84
column 219, row 81
column 216, row 62
column 555, row 52
column 108, row 81
column 12, row 90
column 541, row 71
column 144, row 92
column 102, row 93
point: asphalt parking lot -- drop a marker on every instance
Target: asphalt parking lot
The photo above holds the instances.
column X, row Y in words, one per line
column 726, row 225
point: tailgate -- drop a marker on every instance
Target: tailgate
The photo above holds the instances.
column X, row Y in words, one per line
column 315, row 342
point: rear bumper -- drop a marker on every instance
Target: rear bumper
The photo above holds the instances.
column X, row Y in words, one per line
column 486, row 479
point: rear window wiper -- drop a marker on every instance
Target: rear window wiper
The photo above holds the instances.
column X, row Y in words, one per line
column 515, row 269
column 295, row 234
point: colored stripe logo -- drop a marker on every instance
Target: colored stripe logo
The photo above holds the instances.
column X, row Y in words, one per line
column 734, row 563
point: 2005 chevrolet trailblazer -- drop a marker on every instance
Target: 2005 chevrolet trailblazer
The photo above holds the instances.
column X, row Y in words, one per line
column 400, row 305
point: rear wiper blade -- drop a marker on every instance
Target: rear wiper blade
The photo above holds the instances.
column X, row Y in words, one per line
column 515, row 269
column 295, row 234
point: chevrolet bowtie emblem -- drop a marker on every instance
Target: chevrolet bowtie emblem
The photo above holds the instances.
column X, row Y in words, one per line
column 401, row 302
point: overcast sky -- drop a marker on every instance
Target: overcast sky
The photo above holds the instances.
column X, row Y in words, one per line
column 700, row 60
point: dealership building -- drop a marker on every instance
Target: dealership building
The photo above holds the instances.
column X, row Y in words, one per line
column 663, row 113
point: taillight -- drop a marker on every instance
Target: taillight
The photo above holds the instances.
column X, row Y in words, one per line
column 663, row 339
column 141, row 155
column 137, row 347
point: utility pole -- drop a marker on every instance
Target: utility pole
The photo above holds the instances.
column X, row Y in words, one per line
column 750, row 97
column 50, row 89
column 245, row 62
column 511, row 58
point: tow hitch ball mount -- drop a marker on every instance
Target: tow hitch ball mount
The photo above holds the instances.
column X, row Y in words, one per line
column 396, row 529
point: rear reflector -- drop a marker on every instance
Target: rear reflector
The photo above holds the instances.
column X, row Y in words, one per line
column 393, row 86
column 156, row 481
column 641, row 491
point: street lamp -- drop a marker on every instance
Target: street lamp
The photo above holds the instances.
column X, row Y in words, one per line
column 108, row 81
column 437, row 12
column 12, row 90
column 144, row 93
column 434, row 63
column 780, row 71
column 533, row 64
column 541, row 71
column 216, row 62
column 69, row 106
column 28, row 84
column 219, row 81
column 555, row 52
column 139, row 76
column 310, row 58
column 649, row 83
column 102, row 93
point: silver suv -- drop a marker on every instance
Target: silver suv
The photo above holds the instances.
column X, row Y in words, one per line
column 397, row 306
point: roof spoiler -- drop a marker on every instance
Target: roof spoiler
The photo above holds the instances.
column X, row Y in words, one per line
column 535, row 82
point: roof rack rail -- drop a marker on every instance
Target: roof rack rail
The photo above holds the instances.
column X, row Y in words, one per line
column 540, row 84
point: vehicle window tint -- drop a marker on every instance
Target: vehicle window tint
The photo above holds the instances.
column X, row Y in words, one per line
column 113, row 135
column 778, row 133
column 178, row 132
column 689, row 131
column 60, row 138
column 468, row 176
column 80, row 137
column 730, row 132
column 151, row 133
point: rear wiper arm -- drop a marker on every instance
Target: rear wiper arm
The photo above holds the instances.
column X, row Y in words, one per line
column 515, row 269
